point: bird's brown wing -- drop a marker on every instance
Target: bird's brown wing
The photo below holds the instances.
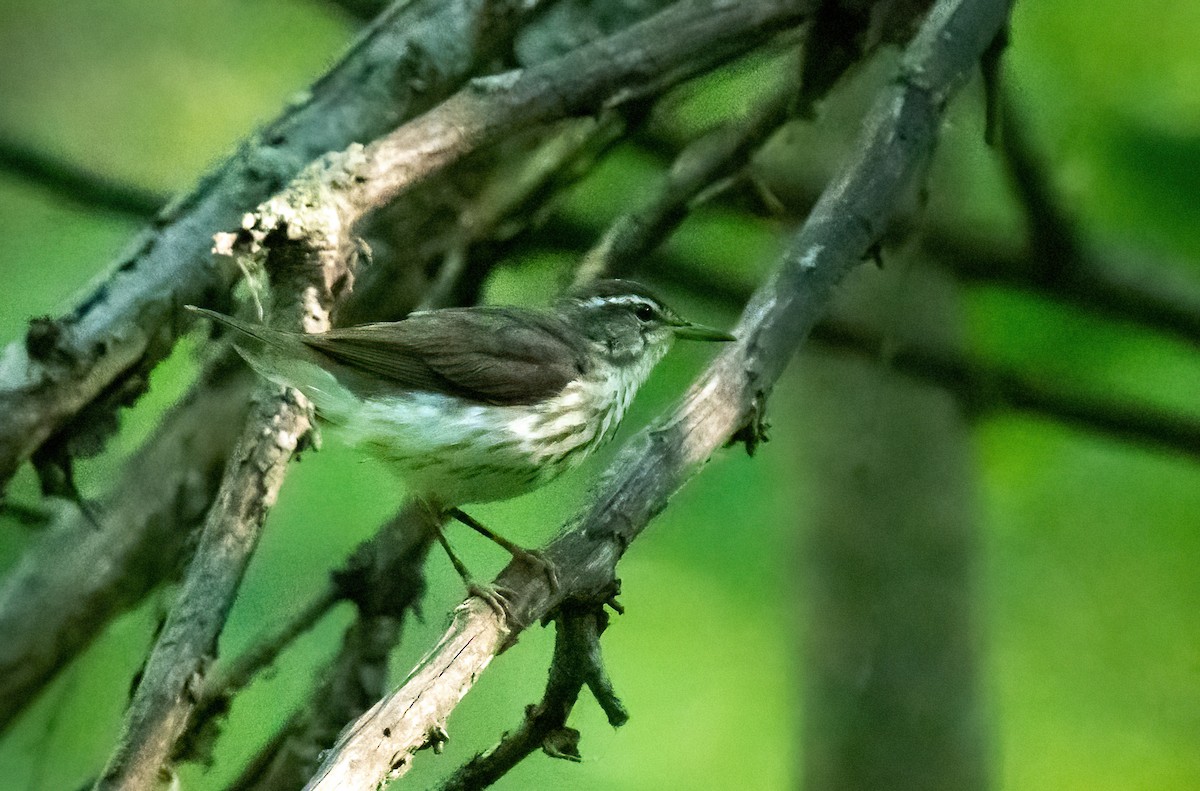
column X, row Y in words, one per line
column 487, row 355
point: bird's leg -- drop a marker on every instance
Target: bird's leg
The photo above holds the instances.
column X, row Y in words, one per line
column 492, row 595
column 528, row 556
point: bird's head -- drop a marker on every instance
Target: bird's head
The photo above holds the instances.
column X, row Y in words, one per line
column 628, row 324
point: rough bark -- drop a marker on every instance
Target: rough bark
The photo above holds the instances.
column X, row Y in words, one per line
column 78, row 575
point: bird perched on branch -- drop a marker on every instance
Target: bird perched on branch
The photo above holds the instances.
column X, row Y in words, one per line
column 478, row 404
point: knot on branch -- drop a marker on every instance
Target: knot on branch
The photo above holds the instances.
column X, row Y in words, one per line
column 756, row 428
column 577, row 662
column 578, row 657
column 44, row 341
column 301, row 240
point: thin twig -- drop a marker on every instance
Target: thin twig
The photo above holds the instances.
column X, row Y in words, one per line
column 1119, row 282
column 726, row 401
column 217, row 689
column 576, row 662
column 1054, row 237
column 73, row 182
column 718, row 154
column 385, row 579
column 987, row 387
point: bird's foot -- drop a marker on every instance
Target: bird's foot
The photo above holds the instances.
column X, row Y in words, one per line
column 537, row 560
column 496, row 597
column 528, row 557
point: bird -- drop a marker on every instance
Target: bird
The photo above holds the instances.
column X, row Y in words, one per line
column 478, row 404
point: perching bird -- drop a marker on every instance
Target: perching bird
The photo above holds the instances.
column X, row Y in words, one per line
column 477, row 404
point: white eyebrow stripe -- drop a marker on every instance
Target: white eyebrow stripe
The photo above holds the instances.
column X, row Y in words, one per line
column 624, row 299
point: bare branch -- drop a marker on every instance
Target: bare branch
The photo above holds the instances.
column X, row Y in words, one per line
column 1118, row 282
column 984, row 386
column 303, row 244
column 576, row 662
column 74, row 183
column 415, row 54
column 728, row 398
column 385, row 578
column 50, row 623
column 685, row 39
column 166, row 694
column 76, row 577
column 718, row 154
column 217, row 689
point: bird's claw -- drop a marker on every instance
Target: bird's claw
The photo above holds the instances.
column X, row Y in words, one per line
column 494, row 597
column 537, row 559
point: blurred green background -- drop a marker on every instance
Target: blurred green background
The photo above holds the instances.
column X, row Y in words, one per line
column 1089, row 595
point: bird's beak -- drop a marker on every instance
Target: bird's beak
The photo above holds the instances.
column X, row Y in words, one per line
column 698, row 332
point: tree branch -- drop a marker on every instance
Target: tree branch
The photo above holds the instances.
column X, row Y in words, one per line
column 302, row 240
column 576, row 662
column 729, row 397
column 985, row 387
column 385, row 579
column 77, row 576
column 73, row 182
column 414, row 55
column 644, row 59
column 718, row 154
column 1125, row 284
column 51, row 621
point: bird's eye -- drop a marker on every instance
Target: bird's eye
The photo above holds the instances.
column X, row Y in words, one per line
column 644, row 313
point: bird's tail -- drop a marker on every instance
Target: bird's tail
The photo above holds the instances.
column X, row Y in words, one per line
column 260, row 333
column 283, row 358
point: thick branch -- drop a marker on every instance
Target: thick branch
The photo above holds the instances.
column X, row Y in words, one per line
column 414, row 55
column 308, row 259
column 52, row 621
column 165, row 697
column 842, row 229
column 685, row 39
column 76, row 577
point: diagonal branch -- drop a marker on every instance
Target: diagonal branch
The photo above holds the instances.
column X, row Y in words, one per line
column 415, row 54
column 77, row 184
column 302, row 239
column 686, row 39
column 727, row 399
column 76, row 576
column 576, row 663
column 385, row 579
column 52, row 611
column 718, row 154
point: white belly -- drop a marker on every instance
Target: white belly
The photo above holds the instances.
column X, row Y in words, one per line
column 451, row 453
